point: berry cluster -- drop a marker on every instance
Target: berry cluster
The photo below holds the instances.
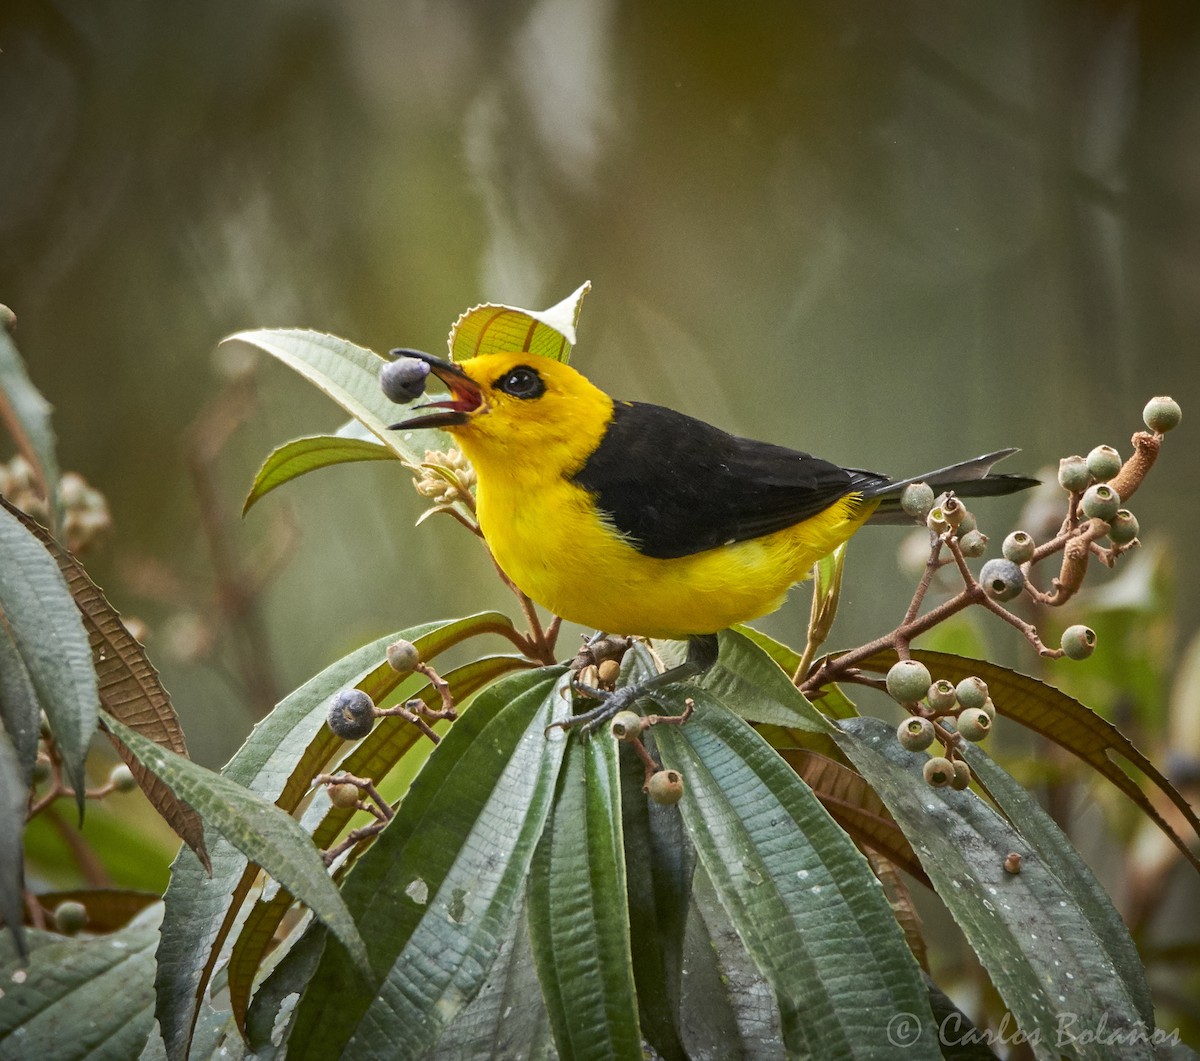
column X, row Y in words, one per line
column 932, row 706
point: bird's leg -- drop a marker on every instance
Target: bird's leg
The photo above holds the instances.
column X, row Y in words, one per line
column 701, row 655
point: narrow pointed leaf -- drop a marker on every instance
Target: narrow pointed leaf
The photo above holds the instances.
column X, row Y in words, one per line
column 48, row 633
column 490, row 329
column 278, row 761
column 26, row 415
column 19, row 710
column 129, row 687
column 1066, row 721
column 578, row 912
column 659, row 865
column 1038, row 946
column 303, row 455
column 1044, row 835
column 348, row 374
column 441, row 884
column 260, row 830
column 80, row 998
column 14, row 800
column 800, row 894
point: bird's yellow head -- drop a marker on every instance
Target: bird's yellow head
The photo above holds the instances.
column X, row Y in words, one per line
column 514, row 406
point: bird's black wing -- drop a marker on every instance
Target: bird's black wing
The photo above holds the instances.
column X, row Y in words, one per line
column 674, row 485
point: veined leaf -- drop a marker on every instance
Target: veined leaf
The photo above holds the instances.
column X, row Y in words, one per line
column 14, row 802
column 441, row 884
column 1047, row 839
column 490, row 329
column 279, row 759
column 349, row 374
column 303, row 455
column 800, row 894
column 48, row 634
column 260, row 830
column 129, row 687
column 1038, row 946
column 80, row 998
column 26, row 415
column 578, row 911
column 19, row 711
column 1066, row 721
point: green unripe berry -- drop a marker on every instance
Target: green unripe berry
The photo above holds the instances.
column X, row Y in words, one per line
column 973, row 543
column 971, row 692
column 665, row 787
column 1100, row 502
column 967, row 524
column 627, row 725
column 1103, row 463
column 351, row 714
column 8, row 319
column 989, row 709
column 403, row 657
column 1018, row 547
column 939, row 772
column 70, row 917
column 121, row 778
column 941, row 695
column 1123, row 527
column 936, row 520
column 962, row 776
column 915, row 733
column 1078, row 641
column 908, row 680
column 1001, row 580
column 974, row 724
column 1073, row 474
column 1162, row 414
column 403, row 380
column 917, row 500
column 41, row 771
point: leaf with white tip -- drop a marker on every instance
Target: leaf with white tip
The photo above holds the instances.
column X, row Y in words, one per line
column 490, row 329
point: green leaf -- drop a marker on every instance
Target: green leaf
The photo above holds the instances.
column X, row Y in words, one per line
column 26, row 415
column 278, row 761
column 1068, row 723
column 14, row 801
column 303, row 455
column 659, row 864
column 490, row 329
column 80, row 998
column 48, row 633
column 578, row 912
column 260, row 830
column 441, row 884
column 348, row 374
column 19, row 711
column 1040, row 949
column 799, row 893
column 1053, row 847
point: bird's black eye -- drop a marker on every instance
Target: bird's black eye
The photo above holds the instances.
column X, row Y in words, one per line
column 522, row 382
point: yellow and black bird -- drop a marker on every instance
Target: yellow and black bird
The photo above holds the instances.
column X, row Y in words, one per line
column 635, row 519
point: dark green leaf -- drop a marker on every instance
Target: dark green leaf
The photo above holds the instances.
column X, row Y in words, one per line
column 260, row 830
column 578, row 912
column 441, row 884
column 1039, row 948
column 80, row 998
column 800, row 894
column 1052, row 713
column 48, row 633
column 14, row 800
column 19, row 711
column 303, row 455
column 1053, row 847
column 659, row 863
column 26, row 415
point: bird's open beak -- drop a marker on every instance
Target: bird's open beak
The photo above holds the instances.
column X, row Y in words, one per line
column 466, row 397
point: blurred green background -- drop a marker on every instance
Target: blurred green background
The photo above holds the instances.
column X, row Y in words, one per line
column 895, row 234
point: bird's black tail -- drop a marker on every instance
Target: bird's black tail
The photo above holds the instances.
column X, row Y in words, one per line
column 971, row 478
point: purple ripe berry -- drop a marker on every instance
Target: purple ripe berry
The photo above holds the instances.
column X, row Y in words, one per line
column 403, row 380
